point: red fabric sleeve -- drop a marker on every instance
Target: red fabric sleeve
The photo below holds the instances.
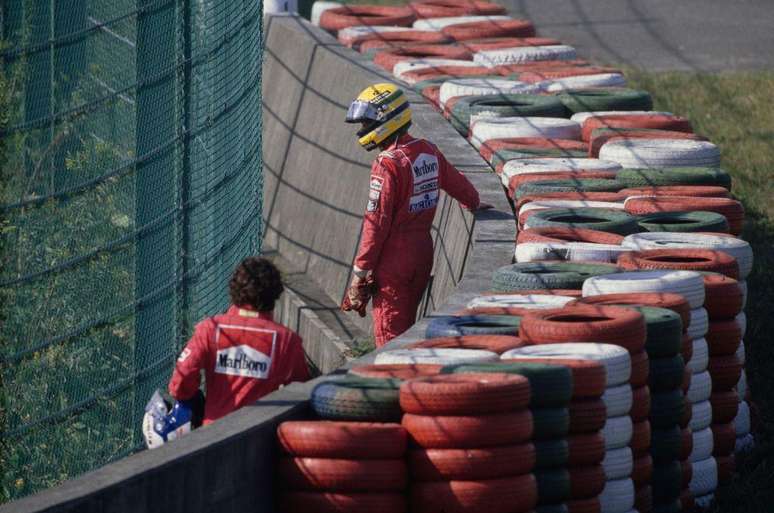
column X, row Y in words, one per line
column 378, row 215
column 297, row 368
column 456, row 185
column 186, row 376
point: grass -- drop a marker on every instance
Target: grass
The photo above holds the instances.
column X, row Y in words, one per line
column 736, row 112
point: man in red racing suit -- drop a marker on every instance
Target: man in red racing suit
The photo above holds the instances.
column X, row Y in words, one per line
column 395, row 245
column 244, row 353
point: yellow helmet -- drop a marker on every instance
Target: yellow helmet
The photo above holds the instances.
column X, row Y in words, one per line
column 383, row 109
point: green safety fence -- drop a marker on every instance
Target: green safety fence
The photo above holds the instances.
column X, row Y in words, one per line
column 130, row 153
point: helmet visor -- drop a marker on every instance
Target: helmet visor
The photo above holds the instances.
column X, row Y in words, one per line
column 361, row 111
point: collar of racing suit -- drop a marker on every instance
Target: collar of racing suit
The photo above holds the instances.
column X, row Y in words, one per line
column 247, row 311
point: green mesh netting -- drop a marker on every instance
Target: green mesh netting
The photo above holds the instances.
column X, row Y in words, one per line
column 130, row 152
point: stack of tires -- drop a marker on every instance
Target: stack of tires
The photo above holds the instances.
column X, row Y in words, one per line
column 471, row 437
column 342, row 466
column 616, row 487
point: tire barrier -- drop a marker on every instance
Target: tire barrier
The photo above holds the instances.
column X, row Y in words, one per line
column 590, row 100
column 345, row 16
column 498, row 104
column 600, row 136
column 614, row 221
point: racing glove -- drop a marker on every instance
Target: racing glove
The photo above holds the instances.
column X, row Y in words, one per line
column 358, row 294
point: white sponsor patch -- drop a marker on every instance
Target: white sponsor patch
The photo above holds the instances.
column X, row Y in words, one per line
column 374, row 195
column 424, row 201
column 425, row 167
column 371, row 207
column 242, row 361
column 376, row 183
column 184, row 355
column 428, row 185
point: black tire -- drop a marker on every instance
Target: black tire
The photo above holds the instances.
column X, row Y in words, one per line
column 504, row 105
column 590, row 100
column 553, row 485
column 551, row 453
column 666, row 482
column 674, row 176
column 666, row 409
column 355, row 398
column 547, row 275
column 457, row 326
column 698, row 221
column 666, row 445
column 554, row 382
column 601, row 219
column 568, row 185
column 666, row 374
column 550, row 423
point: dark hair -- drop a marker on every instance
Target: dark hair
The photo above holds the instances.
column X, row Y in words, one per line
column 257, row 283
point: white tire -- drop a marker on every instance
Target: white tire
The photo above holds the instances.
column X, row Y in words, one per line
column 701, row 387
column 700, row 358
column 743, row 285
column 498, row 128
column 320, row 7
column 618, row 463
column 703, row 445
column 544, row 204
column 618, row 400
column 536, row 301
column 705, row 477
column 567, row 251
column 521, row 54
column 581, row 117
column 586, row 81
column 435, row 356
column 744, row 443
column 617, row 432
column 404, row 67
column 483, row 87
column 349, row 35
column 742, row 420
column 741, row 320
column 701, row 417
column 647, row 153
column 618, row 363
column 617, row 497
column 439, row 23
column 741, row 353
column 559, row 164
column 741, row 386
column 735, row 247
column 699, row 324
column 689, row 284
column 703, row 502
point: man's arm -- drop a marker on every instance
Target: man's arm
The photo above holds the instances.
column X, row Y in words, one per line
column 186, row 376
column 378, row 216
column 457, row 186
column 297, row 368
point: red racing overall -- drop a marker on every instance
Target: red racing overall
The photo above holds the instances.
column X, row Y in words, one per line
column 245, row 355
column 395, row 244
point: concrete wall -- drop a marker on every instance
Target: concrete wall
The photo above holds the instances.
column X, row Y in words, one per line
column 316, row 186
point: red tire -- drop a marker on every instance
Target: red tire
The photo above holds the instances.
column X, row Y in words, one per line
column 723, row 337
column 726, row 466
column 585, row 449
column 731, row 209
column 572, row 195
column 365, row 41
column 490, row 28
column 590, row 505
column 725, row 372
column 495, row 43
column 387, row 59
column 524, row 67
column 687, row 378
column 724, row 437
column 674, row 302
column 685, row 259
column 659, row 121
column 586, row 481
column 686, row 468
column 447, row 8
column 441, row 71
column 598, row 138
column 724, row 297
column 316, row 502
column 464, row 394
column 338, row 18
column 685, row 420
column 640, row 404
column 687, row 500
column 518, row 180
column 492, row 146
column 533, row 77
column 464, row 432
column 640, row 369
column 642, row 470
column 587, row 415
column 433, row 95
column 495, row 343
column 725, row 406
column 508, row 495
column 607, row 324
column 703, row 191
column 343, row 475
column 396, row 371
column 543, row 292
column 589, row 377
column 330, row 439
column 687, row 348
column 640, row 443
column 643, row 499
column 471, row 464
column 563, row 234
column 686, row 447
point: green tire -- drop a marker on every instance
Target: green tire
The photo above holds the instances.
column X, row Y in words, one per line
column 359, row 399
column 591, row 100
column 600, row 219
column 547, row 275
column 551, row 453
column 666, row 444
column 568, row 185
column 666, row 374
column 666, row 409
column 698, row 221
column 504, row 105
column 666, row 482
column 674, row 176
column 553, row 485
column 550, row 423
